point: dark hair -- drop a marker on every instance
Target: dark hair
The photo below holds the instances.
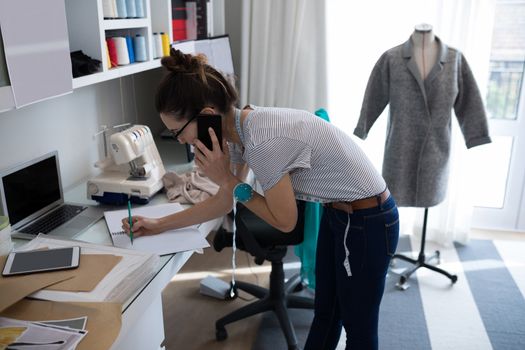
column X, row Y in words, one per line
column 190, row 85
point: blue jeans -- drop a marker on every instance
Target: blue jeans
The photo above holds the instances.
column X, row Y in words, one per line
column 352, row 301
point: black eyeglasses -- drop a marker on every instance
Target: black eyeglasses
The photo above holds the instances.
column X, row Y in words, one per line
column 176, row 134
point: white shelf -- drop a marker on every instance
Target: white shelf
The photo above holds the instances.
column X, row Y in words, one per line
column 114, row 73
column 94, row 78
column 111, row 24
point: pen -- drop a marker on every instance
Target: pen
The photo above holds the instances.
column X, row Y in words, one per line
column 130, row 221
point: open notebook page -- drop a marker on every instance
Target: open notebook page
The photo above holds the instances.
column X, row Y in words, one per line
column 168, row 242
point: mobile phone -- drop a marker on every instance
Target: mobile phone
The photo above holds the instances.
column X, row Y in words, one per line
column 205, row 121
column 41, row 260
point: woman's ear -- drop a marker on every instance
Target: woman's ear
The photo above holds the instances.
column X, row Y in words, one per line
column 208, row 110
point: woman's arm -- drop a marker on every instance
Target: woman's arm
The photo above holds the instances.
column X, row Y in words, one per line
column 277, row 207
column 211, row 208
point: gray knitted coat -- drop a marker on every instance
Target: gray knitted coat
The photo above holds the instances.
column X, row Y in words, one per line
column 417, row 148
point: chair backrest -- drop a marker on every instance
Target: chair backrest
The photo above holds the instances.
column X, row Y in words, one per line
column 261, row 239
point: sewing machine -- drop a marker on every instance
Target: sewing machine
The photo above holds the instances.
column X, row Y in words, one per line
column 133, row 170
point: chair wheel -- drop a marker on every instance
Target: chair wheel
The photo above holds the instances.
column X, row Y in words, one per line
column 402, row 280
column 299, row 287
column 454, row 279
column 221, row 334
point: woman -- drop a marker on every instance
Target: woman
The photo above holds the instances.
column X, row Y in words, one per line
column 293, row 155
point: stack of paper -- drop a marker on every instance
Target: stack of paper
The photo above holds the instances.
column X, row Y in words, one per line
column 168, row 242
column 132, row 272
column 15, row 334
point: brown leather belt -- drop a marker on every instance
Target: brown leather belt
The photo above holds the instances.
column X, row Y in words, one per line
column 365, row 203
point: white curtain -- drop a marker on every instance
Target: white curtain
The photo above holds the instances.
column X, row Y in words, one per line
column 358, row 33
column 283, row 56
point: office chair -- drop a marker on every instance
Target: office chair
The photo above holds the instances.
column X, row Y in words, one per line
column 265, row 243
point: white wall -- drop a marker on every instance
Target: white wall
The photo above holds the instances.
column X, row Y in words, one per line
column 233, row 10
column 67, row 123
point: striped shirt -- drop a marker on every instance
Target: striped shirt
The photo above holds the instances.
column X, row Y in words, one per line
column 324, row 163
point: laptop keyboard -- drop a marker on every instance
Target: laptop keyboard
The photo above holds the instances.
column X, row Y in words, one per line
column 53, row 219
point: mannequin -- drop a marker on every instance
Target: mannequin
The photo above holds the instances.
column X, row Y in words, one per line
column 417, row 148
column 425, row 48
column 425, row 51
column 422, row 80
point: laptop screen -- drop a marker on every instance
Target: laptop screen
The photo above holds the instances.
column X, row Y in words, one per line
column 31, row 189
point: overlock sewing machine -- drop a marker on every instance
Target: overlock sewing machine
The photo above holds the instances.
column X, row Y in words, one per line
column 133, row 169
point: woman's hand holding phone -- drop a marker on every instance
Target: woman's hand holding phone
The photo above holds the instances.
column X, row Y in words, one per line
column 214, row 163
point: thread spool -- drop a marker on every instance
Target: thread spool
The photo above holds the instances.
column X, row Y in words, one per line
column 157, row 40
column 165, row 44
column 113, row 59
column 139, row 8
column 109, row 8
column 130, row 9
column 108, row 59
column 5, row 236
column 121, row 9
column 139, row 45
column 131, row 51
column 122, row 50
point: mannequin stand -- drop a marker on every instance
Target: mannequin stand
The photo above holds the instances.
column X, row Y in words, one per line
column 422, row 261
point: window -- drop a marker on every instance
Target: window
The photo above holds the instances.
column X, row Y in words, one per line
column 507, row 60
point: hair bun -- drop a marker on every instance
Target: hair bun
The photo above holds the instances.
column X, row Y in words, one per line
column 179, row 62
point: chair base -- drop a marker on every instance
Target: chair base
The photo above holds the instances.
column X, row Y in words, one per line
column 278, row 298
column 421, row 261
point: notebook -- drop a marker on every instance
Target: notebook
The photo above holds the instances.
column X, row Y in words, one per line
column 168, row 242
column 31, row 196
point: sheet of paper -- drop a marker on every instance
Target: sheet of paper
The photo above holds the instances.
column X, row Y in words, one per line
column 222, row 55
column 39, row 336
column 185, row 46
column 104, row 324
column 75, row 323
column 173, row 241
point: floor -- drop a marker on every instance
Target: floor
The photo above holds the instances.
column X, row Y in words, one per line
column 198, row 331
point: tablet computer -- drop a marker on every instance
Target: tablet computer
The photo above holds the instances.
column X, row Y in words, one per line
column 41, row 260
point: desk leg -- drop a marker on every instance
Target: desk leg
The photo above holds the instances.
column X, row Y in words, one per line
column 144, row 330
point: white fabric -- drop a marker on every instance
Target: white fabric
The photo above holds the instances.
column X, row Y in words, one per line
column 357, row 34
column 285, row 53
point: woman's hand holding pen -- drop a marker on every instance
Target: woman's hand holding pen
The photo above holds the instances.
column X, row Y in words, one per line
column 142, row 226
column 214, row 164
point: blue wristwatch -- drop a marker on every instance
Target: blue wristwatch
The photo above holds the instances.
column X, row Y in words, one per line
column 242, row 192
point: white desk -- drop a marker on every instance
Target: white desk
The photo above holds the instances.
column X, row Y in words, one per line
column 142, row 317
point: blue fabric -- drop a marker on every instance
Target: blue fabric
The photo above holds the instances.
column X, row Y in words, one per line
column 306, row 250
column 352, row 301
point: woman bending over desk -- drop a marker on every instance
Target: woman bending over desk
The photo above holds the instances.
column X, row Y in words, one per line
column 293, row 155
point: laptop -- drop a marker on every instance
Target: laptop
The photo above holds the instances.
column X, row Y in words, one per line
column 31, row 196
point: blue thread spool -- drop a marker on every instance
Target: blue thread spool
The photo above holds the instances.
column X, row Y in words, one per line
column 139, row 8
column 121, row 9
column 130, row 8
column 139, row 43
column 131, row 50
